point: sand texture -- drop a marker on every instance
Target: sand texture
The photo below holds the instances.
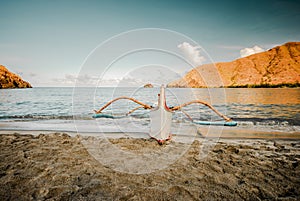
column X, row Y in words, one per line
column 58, row 167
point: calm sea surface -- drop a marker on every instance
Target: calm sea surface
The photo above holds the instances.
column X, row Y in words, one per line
column 68, row 109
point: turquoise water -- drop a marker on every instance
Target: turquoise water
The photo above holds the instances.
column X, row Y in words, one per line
column 68, row 109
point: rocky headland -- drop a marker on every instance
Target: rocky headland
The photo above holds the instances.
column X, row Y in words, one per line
column 11, row 80
column 276, row 67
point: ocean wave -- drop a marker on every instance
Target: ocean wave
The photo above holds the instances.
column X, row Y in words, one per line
column 269, row 121
column 284, row 122
column 31, row 117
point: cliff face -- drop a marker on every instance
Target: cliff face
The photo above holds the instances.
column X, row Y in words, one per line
column 277, row 66
column 11, row 80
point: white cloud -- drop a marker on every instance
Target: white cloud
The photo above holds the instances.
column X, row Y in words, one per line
column 251, row 50
column 192, row 53
column 71, row 79
column 130, row 81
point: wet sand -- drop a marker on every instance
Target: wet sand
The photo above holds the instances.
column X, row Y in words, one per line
column 59, row 167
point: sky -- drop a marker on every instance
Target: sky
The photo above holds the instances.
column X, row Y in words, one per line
column 47, row 42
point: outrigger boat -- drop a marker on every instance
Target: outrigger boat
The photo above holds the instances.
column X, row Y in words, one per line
column 161, row 115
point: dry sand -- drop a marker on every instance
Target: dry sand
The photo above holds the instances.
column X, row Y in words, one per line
column 58, row 167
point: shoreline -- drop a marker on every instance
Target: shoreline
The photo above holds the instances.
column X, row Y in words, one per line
column 224, row 133
column 262, row 86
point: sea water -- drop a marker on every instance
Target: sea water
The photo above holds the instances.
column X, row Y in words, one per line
column 265, row 110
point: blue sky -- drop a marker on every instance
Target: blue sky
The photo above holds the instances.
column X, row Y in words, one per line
column 47, row 41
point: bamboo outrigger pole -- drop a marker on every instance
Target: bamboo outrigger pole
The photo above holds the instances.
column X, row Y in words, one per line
column 203, row 103
column 145, row 106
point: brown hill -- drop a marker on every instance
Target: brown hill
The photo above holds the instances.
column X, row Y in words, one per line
column 11, row 80
column 279, row 66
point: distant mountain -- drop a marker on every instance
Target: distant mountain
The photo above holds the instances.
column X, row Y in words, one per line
column 279, row 66
column 11, row 80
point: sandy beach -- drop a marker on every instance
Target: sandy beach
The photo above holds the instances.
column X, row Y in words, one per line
column 59, row 167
